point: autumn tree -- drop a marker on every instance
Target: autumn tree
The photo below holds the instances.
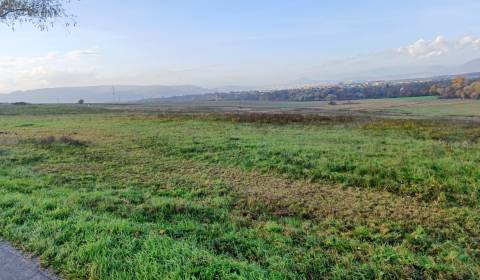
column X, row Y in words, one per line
column 434, row 90
column 458, row 84
column 449, row 92
column 473, row 90
column 331, row 98
column 41, row 13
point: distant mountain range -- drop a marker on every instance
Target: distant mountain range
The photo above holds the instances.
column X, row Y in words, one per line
column 109, row 94
column 412, row 72
column 472, row 66
column 100, row 94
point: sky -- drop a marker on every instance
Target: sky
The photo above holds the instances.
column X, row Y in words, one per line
column 245, row 43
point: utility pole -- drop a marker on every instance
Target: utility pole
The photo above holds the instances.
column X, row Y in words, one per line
column 113, row 94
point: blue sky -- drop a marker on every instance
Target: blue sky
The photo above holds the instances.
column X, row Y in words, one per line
column 246, row 43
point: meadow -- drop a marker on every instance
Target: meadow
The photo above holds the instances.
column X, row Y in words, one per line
column 377, row 191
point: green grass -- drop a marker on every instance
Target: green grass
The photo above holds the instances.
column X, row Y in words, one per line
column 160, row 197
column 53, row 109
column 443, row 108
column 413, row 158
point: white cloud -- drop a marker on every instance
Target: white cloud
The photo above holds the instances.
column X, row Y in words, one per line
column 469, row 41
column 52, row 69
column 77, row 54
column 423, row 48
column 439, row 46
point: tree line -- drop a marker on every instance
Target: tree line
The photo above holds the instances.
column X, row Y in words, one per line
column 460, row 87
column 457, row 87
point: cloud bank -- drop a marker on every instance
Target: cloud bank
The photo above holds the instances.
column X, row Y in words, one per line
column 53, row 69
column 91, row 66
column 439, row 46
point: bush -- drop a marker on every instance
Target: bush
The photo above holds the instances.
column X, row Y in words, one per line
column 20, row 103
column 72, row 142
column 52, row 140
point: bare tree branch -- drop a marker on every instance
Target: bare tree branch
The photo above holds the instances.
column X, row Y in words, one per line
column 40, row 13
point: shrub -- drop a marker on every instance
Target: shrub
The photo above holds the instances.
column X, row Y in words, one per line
column 52, row 140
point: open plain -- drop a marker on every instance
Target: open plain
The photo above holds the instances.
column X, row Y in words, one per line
column 385, row 189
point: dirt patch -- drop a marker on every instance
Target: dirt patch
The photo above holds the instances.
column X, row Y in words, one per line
column 280, row 196
column 286, row 118
column 300, row 198
column 383, row 212
column 8, row 138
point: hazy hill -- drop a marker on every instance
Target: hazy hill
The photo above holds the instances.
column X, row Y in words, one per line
column 100, row 94
column 397, row 73
column 471, row 66
column 105, row 94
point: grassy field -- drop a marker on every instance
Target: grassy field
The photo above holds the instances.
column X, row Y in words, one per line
column 129, row 192
column 414, row 107
column 445, row 108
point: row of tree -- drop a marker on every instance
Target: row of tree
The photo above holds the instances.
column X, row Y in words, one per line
column 326, row 93
column 459, row 87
